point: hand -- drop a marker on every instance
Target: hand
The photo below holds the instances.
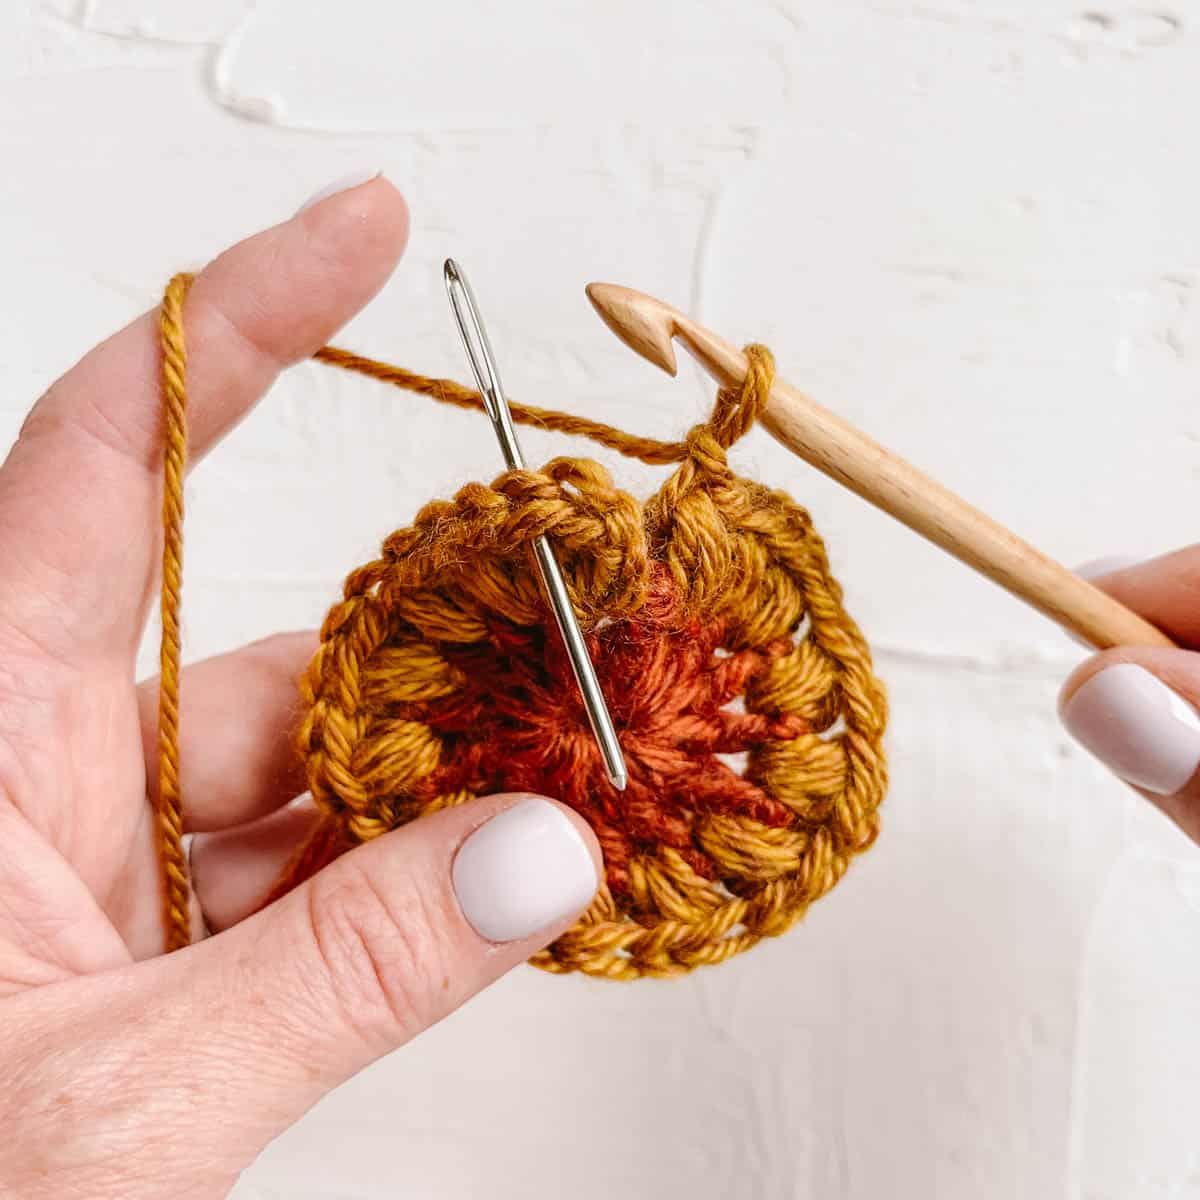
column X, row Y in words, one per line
column 132, row 1074
column 1133, row 708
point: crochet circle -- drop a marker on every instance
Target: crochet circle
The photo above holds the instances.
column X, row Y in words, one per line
column 744, row 696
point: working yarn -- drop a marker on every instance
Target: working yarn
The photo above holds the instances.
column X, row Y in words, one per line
column 748, row 712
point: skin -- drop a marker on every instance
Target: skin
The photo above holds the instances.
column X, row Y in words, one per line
column 133, row 1074
column 1165, row 590
column 130, row 1073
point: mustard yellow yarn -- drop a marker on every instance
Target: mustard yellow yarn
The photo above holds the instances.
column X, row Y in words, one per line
column 744, row 695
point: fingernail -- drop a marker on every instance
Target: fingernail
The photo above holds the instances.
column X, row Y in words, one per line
column 353, row 180
column 527, row 868
column 1137, row 726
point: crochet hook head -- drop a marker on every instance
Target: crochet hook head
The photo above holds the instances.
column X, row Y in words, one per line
column 649, row 327
column 487, row 377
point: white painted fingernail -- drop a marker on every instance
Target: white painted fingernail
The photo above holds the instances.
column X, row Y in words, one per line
column 353, row 180
column 527, row 868
column 1137, row 726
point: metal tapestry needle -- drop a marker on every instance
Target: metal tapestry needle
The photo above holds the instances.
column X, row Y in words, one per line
column 487, row 377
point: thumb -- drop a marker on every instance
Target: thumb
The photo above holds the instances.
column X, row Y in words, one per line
column 230, row 1041
column 1135, row 709
column 393, row 936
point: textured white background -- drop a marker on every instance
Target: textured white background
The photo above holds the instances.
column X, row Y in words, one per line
column 969, row 225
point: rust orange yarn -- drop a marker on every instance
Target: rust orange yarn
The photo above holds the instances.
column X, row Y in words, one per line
column 748, row 711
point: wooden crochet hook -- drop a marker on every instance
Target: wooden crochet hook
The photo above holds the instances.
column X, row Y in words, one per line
column 851, row 458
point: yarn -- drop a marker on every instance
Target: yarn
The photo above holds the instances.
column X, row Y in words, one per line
column 748, row 712
column 168, row 804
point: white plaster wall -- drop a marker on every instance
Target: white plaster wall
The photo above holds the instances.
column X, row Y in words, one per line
column 973, row 227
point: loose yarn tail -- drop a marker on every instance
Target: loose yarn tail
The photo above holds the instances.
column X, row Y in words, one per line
column 168, row 800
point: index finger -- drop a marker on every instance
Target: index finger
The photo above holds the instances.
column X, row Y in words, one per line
column 80, row 490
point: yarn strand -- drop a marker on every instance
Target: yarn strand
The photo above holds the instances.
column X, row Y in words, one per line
column 168, row 800
column 447, row 391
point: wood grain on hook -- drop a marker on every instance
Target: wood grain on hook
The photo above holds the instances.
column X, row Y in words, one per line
column 859, row 463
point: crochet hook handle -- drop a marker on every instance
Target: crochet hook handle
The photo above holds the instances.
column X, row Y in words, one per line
column 854, row 460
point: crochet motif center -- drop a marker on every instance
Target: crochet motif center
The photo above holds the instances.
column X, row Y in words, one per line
column 507, row 716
